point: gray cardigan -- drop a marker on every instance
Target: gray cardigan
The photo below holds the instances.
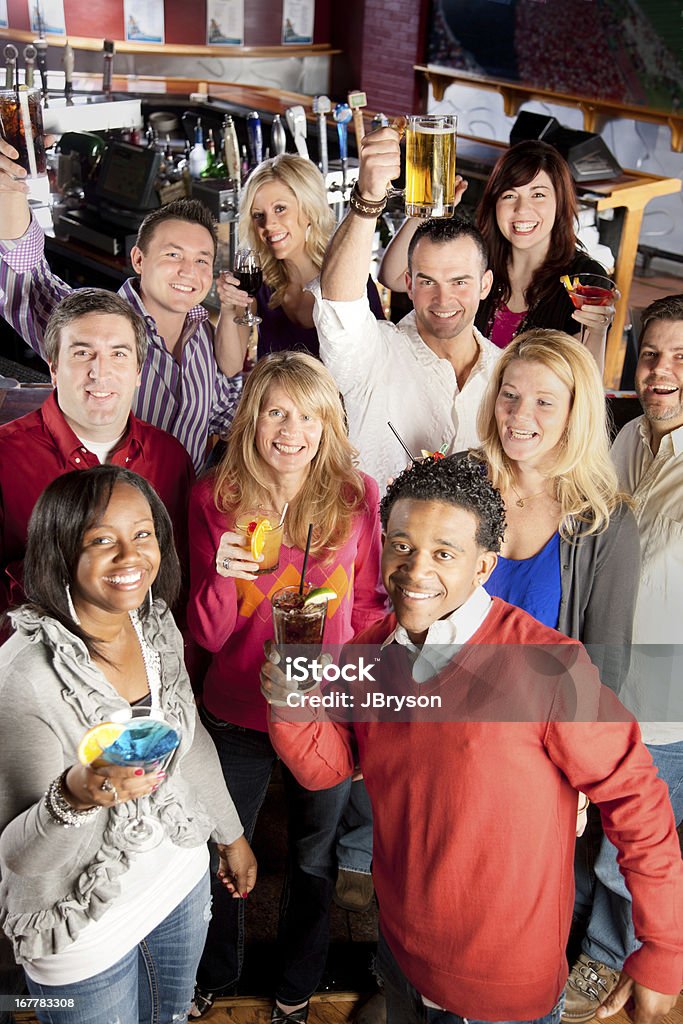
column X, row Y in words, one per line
column 600, row 574
column 56, row 879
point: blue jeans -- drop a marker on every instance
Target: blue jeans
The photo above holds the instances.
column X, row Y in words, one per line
column 354, row 837
column 152, row 984
column 404, row 1002
column 247, row 758
column 609, row 935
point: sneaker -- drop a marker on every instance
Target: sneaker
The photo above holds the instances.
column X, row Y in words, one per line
column 354, row 890
column 278, row 1016
column 589, row 984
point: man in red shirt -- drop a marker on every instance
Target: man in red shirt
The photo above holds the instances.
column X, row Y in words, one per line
column 474, row 799
column 95, row 345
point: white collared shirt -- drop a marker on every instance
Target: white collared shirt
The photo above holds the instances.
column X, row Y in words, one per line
column 443, row 635
column 386, row 372
column 655, row 483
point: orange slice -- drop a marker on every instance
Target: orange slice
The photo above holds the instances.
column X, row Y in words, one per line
column 566, row 281
column 258, row 537
column 97, row 739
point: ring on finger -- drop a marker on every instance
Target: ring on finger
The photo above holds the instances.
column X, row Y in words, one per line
column 109, row 787
column 227, row 564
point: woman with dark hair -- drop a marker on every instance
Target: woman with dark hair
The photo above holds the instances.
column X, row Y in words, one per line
column 110, row 931
column 287, row 450
column 527, row 216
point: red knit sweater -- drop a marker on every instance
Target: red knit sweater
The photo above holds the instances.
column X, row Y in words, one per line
column 474, row 822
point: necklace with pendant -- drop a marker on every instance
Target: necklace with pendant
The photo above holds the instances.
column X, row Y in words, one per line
column 520, row 500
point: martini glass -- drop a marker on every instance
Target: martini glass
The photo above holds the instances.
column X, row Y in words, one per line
column 145, row 738
column 589, row 290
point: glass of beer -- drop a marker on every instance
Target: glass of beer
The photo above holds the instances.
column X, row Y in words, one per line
column 21, row 124
column 430, row 165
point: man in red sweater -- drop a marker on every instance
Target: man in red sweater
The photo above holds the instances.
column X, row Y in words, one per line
column 475, row 806
column 96, row 345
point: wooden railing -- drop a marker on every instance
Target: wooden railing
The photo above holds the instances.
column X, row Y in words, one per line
column 596, row 112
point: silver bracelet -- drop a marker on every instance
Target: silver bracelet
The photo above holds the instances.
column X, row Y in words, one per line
column 59, row 808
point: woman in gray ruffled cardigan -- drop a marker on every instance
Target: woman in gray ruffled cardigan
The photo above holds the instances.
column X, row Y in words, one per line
column 104, row 932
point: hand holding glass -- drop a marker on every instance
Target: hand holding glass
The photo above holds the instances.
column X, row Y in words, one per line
column 247, row 270
column 430, row 165
column 589, row 290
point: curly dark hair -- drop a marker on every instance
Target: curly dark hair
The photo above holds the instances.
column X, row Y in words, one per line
column 459, row 480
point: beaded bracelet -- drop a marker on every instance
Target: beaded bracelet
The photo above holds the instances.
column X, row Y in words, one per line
column 59, row 808
column 366, row 207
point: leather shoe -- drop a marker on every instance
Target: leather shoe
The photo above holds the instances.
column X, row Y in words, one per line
column 589, row 984
column 373, row 1011
column 354, row 890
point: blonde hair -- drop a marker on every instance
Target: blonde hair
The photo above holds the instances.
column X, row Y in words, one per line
column 303, row 179
column 585, row 480
column 333, row 490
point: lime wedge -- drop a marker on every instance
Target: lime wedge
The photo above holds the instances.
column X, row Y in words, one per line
column 320, row 596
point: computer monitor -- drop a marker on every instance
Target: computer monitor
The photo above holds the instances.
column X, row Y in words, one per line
column 127, row 176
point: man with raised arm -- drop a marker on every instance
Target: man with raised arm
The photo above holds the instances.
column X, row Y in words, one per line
column 191, row 379
column 427, row 374
column 96, row 345
column 474, row 797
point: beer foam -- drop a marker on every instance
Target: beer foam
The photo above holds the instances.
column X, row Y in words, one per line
column 420, row 130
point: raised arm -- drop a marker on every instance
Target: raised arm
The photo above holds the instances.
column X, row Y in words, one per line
column 345, row 269
column 230, row 340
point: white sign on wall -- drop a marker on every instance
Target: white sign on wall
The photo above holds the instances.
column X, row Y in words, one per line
column 297, row 21
column 46, row 16
column 224, row 22
column 144, row 21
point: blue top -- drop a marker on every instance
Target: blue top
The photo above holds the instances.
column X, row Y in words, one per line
column 533, row 584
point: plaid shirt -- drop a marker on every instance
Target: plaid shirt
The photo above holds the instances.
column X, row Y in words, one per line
column 191, row 400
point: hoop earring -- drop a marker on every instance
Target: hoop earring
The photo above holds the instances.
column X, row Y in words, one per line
column 70, row 605
column 150, row 601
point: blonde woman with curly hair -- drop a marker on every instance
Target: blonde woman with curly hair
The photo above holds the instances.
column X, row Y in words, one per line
column 285, row 216
column 571, row 555
column 287, row 446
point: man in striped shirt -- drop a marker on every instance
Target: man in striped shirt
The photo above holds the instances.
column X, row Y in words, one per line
column 191, row 380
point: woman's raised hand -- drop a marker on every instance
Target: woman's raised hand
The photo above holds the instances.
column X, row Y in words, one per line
column 233, row 557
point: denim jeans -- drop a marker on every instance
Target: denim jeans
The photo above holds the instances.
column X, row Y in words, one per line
column 404, row 1002
column 609, row 935
column 354, row 837
column 247, row 758
column 152, row 984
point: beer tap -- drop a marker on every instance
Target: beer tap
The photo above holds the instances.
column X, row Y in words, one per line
column 11, row 54
column 108, row 67
column 322, row 105
column 231, row 151
column 277, row 136
column 255, row 137
column 41, row 60
column 358, row 100
column 68, row 61
column 342, row 115
column 29, row 65
column 296, row 122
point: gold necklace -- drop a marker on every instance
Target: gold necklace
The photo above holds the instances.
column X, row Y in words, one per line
column 520, row 500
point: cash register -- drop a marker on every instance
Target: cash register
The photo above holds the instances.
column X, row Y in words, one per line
column 123, row 195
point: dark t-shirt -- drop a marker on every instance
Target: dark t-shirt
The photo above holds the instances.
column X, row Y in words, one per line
column 277, row 333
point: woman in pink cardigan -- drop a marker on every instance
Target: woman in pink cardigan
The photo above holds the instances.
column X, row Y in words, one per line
column 287, row 445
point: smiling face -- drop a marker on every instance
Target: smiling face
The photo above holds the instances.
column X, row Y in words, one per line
column 96, row 375
column 287, row 437
column 532, row 411
column 659, row 375
column 279, row 221
column 119, row 559
column 446, row 286
column 526, row 214
column 176, row 270
column 431, row 562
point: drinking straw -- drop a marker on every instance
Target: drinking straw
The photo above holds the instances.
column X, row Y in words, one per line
column 400, row 440
column 284, row 513
column 305, row 563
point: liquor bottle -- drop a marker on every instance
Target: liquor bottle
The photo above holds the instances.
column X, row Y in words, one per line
column 207, row 170
column 198, row 155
